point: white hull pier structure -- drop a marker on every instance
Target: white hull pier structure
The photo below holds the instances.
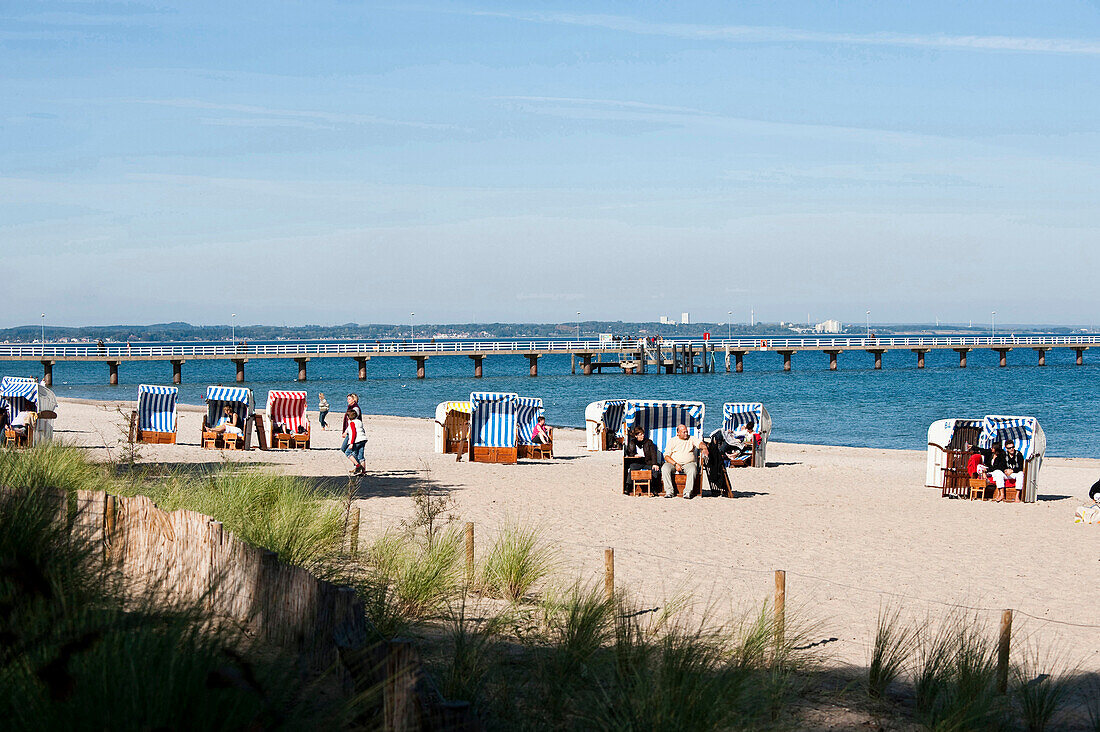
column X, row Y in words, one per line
column 588, row 357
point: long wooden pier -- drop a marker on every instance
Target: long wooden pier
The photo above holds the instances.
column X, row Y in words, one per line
column 628, row 356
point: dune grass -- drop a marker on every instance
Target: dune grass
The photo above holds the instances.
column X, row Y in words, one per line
column 890, row 652
column 77, row 653
column 516, row 561
column 53, row 466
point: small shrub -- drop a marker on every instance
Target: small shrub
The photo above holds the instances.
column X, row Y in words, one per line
column 1039, row 696
column 516, row 561
column 405, row 581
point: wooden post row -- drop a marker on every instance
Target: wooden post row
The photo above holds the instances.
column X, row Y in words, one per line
column 1002, row 651
column 780, row 606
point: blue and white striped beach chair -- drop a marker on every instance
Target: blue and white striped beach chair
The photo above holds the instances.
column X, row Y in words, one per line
column 25, row 396
column 156, row 414
column 945, row 465
column 493, row 427
column 660, row 419
column 242, row 403
column 528, row 411
column 1031, row 442
column 603, row 422
column 735, row 414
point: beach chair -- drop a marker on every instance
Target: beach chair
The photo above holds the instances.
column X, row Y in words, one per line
column 660, row 419
column 947, row 458
column 735, row 414
column 242, row 402
column 528, row 411
column 603, row 424
column 493, row 427
column 287, row 409
column 1030, row 442
column 156, row 415
column 452, row 428
column 36, row 403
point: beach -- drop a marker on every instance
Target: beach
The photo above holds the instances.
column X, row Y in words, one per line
column 855, row 529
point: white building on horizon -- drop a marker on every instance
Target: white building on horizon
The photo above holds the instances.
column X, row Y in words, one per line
column 684, row 319
column 829, row 326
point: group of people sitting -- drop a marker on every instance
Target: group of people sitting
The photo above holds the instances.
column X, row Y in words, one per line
column 1002, row 465
column 683, row 453
column 19, row 424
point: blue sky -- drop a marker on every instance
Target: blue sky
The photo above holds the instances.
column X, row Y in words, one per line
column 326, row 162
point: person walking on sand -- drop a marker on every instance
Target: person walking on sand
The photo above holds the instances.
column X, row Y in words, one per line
column 353, row 404
column 322, row 409
column 356, row 439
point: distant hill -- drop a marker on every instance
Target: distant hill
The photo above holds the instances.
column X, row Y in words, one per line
column 180, row 331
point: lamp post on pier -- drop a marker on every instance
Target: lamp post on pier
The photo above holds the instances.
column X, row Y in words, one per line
column 233, row 329
column 729, row 326
column 43, row 335
column 868, row 323
column 993, row 325
column 412, row 336
column 578, row 326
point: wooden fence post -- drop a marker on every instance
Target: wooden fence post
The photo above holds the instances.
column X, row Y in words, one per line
column 780, row 610
column 609, row 573
column 400, row 698
column 1002, row 651
column 469, row 551
column 354, row 526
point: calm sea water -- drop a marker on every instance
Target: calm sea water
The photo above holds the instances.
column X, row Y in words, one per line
column 855, row 405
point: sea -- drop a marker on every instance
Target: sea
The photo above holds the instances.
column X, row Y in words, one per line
column 853, row 406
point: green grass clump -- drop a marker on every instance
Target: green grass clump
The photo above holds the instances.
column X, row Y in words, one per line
column 76, row 653
column 890, row 653
column 405, row 581
column 52, row 466
column 1040, row 697
column 955, row 677
column 515, row 562
column 281, row 513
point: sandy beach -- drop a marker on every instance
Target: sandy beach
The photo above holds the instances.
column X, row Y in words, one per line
column 855, row 529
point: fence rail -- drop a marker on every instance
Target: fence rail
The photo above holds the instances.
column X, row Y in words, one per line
column 122, row 352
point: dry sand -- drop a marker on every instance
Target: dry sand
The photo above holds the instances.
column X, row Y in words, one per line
column 855, row 529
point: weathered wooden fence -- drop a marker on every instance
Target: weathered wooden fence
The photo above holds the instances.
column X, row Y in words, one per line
column 187, row 557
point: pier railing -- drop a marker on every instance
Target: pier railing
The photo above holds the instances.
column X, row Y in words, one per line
column 242, row 349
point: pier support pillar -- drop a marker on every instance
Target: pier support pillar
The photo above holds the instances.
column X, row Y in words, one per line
column 240, row 362
column 362, row 363
column 1042, row 356
column 113, row 379
column 832, row 359
column 739, row 361
column 786, row 359
column 1004, row 356
column 962, row 356
column 419, row 365
column 586, row 361
column 477, row 365
column 47, row 373
column 533, row 360
column 177, row 371
column 878, row 359
column 920, row 356
column 1080, row 355
column 301, row 368
column 641, row 362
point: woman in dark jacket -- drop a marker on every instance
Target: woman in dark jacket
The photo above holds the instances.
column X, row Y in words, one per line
column 640, row 451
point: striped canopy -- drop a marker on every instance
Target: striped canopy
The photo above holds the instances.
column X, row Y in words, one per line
column 19, row 394
column 1021, row 430
column 463, row 407
column 735, row 414
column 528, row 411
column 493, row 419
column 156, row 408
column 660, row 419
column 237, row 397
column 288, row 408
column 613, row 410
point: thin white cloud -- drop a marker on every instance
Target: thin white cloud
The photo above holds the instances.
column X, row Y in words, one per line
column 766, row 34
column 270, row 113
column 258, row 122
column 616, row 103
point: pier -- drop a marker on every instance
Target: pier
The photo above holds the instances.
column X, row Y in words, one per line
column 588, row 356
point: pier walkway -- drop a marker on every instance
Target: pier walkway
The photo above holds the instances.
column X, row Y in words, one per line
column 628, row 356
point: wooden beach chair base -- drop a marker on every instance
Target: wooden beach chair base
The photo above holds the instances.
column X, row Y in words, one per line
column 149, row 437
column 502, row 455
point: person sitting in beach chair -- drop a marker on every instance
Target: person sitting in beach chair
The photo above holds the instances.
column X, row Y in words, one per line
column 541, row 433
column 1006, row 466
column 229, row 424
column 682, row 456
column 641, row 452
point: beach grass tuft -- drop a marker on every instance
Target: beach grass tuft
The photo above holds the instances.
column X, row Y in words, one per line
column 515, row 563
column 892, row 649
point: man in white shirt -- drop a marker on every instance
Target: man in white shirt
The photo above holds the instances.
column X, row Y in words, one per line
column 681, row 456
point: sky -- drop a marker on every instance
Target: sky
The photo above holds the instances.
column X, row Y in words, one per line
column 331, row 162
